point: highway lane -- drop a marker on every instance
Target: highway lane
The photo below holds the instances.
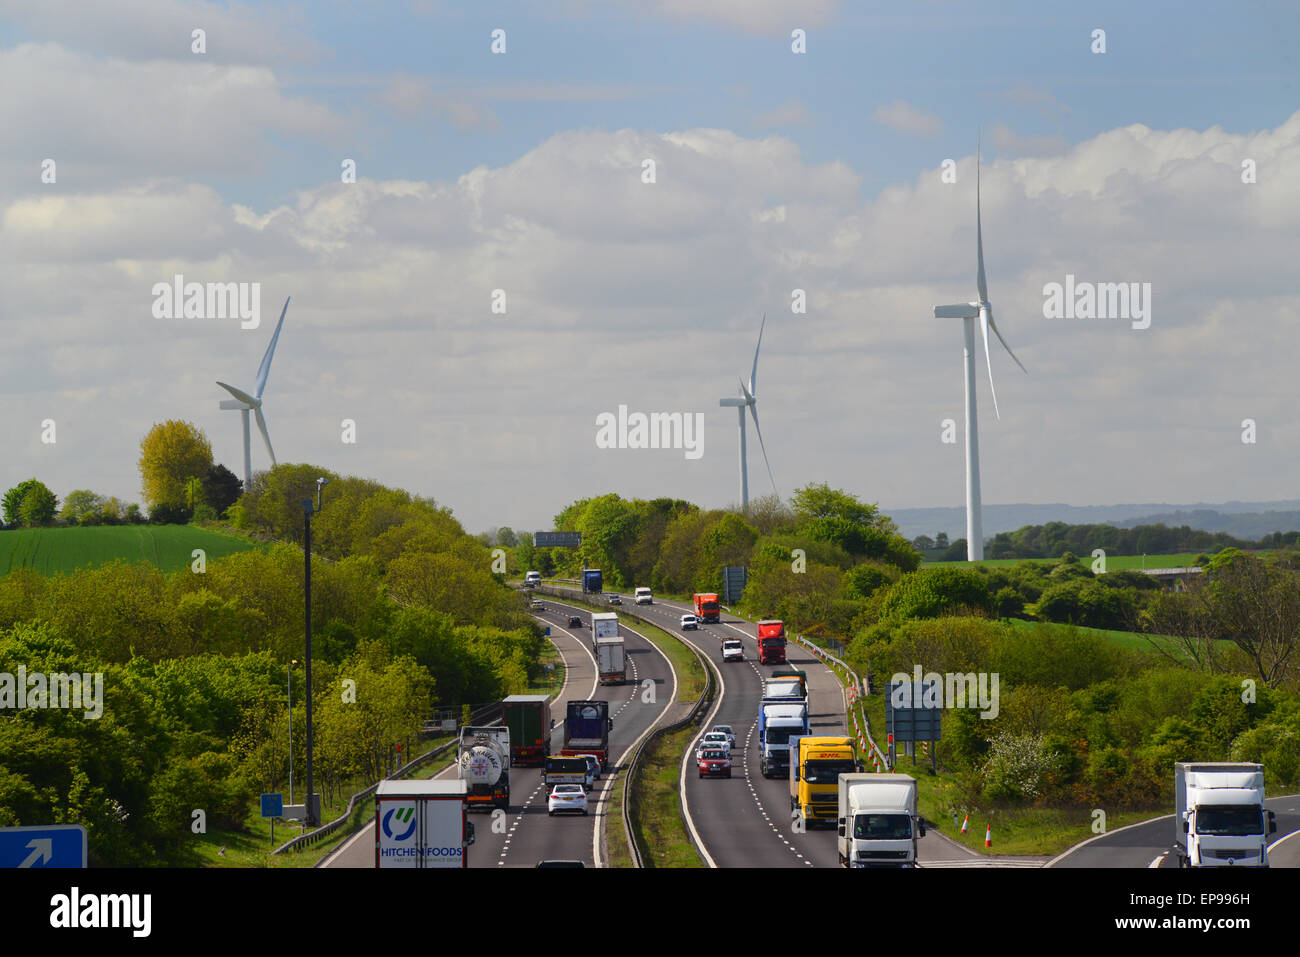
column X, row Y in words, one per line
column 491, row 844
column 1150, row 843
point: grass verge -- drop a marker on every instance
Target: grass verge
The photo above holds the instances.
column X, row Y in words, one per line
column 657, row 809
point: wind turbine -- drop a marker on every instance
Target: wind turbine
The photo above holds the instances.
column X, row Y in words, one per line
column 968, row 312
column 749, row 400
column 246, row 403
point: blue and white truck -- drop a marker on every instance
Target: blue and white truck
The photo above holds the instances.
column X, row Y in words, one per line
column 778, row 720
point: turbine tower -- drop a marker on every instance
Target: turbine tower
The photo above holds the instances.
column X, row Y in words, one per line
column 749, row 400
column 246, row 403
column 968, row 312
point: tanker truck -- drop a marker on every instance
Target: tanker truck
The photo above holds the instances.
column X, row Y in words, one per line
column 484, row 766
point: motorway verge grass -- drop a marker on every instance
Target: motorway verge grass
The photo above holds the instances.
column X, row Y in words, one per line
column 657, row 809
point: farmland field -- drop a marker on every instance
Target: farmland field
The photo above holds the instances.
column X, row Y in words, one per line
column 1113, row 562
column 52, row 550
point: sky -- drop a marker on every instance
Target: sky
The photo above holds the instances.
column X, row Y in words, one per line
column 519, row 178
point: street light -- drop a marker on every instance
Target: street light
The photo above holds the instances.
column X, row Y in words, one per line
column 289, row 687
column 312, row 808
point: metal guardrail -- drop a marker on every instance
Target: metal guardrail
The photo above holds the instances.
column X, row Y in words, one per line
column 638, row 853
column 855, row 687
column 303, row 841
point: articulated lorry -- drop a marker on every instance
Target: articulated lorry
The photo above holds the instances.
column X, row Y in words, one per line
column 586, row 730
column 878, row 824
column 592, row 581
column 791, row 674
column 604, row 624
column 528, row 718
column 771, row 642
column 1219, row 815
column 421, row 824
column 785, row 689
column 707, row 608
column 778, row 721
column 484, row 766
column 611, row 660
column 816, row 763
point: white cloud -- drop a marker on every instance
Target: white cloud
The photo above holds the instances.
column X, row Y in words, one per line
column 905, row 118
column 789, row 113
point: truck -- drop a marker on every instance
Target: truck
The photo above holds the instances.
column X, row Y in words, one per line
column 483, row 763
column 528, row 718
column 707, row 608
column 878, row 823
column 778, row 720
column 561, row 770
column 771, row 642
column 791, row 674
column 785, row 691
column 532, row 579
column 586, row 730
column 422, row 824
column 592, row 582
column 816, row 763
column 603, row 625
column 1219, row 815
column 611, row 662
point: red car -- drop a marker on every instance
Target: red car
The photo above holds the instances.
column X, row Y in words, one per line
column 714, row 763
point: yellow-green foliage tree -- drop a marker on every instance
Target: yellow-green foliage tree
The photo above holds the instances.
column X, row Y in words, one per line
column 170, row 455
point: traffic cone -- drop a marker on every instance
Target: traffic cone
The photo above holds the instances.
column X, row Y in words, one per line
column 988, row 836
column 965, row 823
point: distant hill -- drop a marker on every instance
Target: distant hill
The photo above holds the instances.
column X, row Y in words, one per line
column 170, row 547
column 1240, row 519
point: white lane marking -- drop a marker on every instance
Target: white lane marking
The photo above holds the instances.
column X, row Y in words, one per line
column 1157, row 861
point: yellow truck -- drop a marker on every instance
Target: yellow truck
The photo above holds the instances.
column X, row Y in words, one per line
column 816, row 763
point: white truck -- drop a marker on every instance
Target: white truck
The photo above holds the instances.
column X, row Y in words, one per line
column 421, row 824
column 604, row 624
column 644, row 596
column 784, row 690
column 878, row 823
column 1219, row 815
column 484, row 765
column 777, row 722
column 611, row 661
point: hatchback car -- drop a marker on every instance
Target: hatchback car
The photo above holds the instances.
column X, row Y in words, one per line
column 566, row 797
column 690, row 623
column 575, row 621
column 593, row 766
column 714, row 762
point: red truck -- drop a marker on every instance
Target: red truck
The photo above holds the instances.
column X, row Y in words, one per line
column 771, row 642
column 707, row 608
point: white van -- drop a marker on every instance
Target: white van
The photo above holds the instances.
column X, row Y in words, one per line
column 643, row 597
column 532, row 579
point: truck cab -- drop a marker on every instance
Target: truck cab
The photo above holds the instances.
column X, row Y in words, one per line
column 778, row 722
column 707, row 608
column 816, row 763
column 878, row 823
column 1219, row 815
column 771, row 642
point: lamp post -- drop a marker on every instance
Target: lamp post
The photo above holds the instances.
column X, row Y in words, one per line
column 307, row 513
column 289, row 688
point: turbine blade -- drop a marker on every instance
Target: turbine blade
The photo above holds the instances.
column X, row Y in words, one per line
column 984, row 325
column 962, row 310
column 240, row 394
column 994, row 325
column 979, row 233
column 749, row 396
column 753, row 410
column 753, row 376
column 265, row 368
column 261, row 426
column 731, row 403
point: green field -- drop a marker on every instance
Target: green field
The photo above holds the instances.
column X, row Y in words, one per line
column 170, row 547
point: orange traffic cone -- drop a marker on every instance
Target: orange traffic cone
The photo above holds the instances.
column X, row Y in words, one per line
column 988, row 836
column 964, row 823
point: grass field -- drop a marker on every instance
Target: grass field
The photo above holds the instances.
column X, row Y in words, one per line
column 1114, row 563
column 170, row 547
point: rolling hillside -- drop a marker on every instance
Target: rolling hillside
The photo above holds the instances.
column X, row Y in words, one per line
column 170, row 547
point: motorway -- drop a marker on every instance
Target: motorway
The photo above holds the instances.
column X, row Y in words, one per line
column 526, row 834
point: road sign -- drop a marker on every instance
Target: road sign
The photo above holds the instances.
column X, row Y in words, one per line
column 55, row 845
column 272, row 805
column 557, row 539
column 734, row 578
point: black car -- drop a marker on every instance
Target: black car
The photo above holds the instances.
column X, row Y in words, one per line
column 575, row 621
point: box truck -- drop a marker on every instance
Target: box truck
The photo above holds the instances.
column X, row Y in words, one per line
column 592, row 582
column 707, row 608
column 816, row 763
column 771, row 642
column 604, row 625
column 421, row 824
column 484, row 765
column 784, row 689
column 1219, row 815
column 778, row 721
column 586, row 730
column 611, row 661
column 878, row 824
column 528, row 718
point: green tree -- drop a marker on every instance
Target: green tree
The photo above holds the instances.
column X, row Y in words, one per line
column 171, row 453
column 38, row 506
column 82, row 507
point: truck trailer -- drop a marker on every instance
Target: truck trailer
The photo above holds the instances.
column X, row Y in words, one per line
column 592, row 581
column 528, row 718
column 878, row 823
column 611, row 660
column 586, row 730
column 1219, row 815
column 422, row 824
column 484, row 765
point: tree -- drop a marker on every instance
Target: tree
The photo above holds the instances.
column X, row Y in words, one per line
column 923, row 543
column 170, row 454
column 13, row 501
column 193, row 491
column 941, row 540
column 30, row 503
column 82, row 507
column 506, row 537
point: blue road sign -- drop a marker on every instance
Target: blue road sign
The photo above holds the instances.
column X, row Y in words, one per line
column 272, row 805
column 55, row 845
